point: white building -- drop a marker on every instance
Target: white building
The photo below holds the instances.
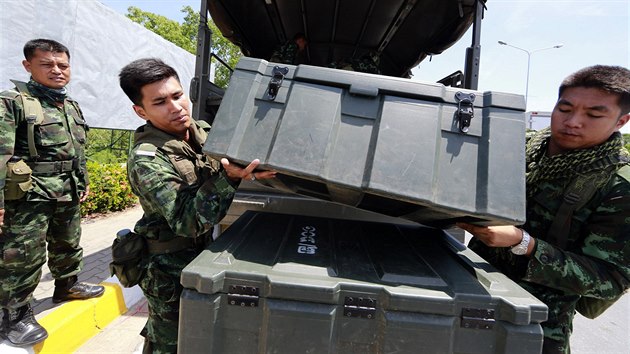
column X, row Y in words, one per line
column 537, row 119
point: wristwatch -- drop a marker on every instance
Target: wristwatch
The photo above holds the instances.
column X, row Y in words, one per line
column 521, row 248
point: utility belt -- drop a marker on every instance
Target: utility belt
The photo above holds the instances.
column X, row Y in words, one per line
column 53, row 167
column 131, row 251
column 175, row 245
column 19, row 174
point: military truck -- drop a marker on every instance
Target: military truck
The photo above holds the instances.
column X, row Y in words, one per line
column 345, row 251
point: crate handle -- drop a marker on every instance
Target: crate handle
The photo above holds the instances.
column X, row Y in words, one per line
column 363, row 90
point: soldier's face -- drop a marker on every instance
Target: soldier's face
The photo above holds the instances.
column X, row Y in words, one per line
column 51, row 69
column 166, row 106
column 583, row 118
column 301, row 43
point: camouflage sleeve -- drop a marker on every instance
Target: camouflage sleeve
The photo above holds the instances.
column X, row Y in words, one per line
column 285, row 54
column 84, row 178
column 7, row 139
column 189, row 210
column 601, row 267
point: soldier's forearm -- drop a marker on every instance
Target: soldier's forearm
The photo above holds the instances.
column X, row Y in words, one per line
column 572, row 273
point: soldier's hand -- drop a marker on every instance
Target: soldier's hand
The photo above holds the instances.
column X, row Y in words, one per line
column 494, row 236
column 235, row 172
column 1, row 219
column 84, row 195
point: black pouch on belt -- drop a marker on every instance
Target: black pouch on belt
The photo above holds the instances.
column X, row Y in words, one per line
column 129, row 258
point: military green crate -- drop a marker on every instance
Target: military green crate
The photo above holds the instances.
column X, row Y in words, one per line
column 423, row 152
column 279, row 283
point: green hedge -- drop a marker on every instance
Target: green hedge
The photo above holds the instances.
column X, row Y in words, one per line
column 109, row 189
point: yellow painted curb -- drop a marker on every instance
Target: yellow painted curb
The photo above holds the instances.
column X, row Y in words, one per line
column 74, row 322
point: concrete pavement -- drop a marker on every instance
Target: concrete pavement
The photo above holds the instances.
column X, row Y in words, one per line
column 121, row 336
column 607, row 334
column 112, row 324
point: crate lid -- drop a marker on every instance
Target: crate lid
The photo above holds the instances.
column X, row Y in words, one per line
column 331, row 261
column 373, row 85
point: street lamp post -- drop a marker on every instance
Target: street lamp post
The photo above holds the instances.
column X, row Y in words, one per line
column 529, row 55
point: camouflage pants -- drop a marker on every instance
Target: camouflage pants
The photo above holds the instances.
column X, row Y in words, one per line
column 28, row 228
column 556, row 339
column 162, row 290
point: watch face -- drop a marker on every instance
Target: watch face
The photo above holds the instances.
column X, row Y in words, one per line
column 519, row 250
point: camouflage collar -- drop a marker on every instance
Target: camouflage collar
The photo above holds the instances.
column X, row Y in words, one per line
column 541, row 167
column 41, row 91
column 168, row 143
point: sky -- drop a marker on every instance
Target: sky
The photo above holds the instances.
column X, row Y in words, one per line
column 590, row 32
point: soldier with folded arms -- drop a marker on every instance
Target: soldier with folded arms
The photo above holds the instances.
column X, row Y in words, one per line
column 43, row 178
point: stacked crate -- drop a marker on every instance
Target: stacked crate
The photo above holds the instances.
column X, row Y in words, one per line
column 288, row 283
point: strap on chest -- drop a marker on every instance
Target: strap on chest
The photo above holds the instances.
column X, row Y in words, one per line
column 579, row 192
column 33, row 114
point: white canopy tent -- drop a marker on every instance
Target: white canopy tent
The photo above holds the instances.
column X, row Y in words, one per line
column 100, row 41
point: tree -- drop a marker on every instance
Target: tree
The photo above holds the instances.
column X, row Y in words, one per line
column 184, row 35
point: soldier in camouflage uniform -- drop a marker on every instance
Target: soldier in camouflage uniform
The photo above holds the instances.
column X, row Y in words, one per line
column 183, row 192
column 48, row 212
column 582, row 148
column 367, row 63
column 292, row 52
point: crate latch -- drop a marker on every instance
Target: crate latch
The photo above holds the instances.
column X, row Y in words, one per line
column 465, row 109
column 242, row 295
column 277, row 75
column 477, row 318
column 359, row 307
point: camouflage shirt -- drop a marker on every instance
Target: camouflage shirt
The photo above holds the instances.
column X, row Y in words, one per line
column 288, row 53
column 595, row 262
column 182, row 191
column 61, row 136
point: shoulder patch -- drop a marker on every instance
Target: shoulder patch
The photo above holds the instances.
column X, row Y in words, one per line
column 146, row 150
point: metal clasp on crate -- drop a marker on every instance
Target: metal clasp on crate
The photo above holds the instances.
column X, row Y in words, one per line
column 277, row 75
column 465, row 109
column 359, row 307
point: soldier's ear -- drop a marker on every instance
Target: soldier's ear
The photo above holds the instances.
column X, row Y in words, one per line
column 622, row 120
column 140, row 111
column 27, row 65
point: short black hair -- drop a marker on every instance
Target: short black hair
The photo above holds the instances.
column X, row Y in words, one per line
column 611, row 79
column 141, row 72
column 43, row 44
